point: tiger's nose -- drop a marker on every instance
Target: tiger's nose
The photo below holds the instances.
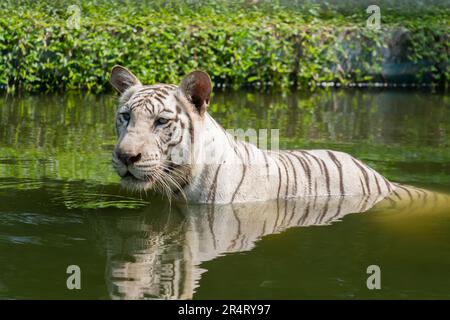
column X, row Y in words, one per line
column 129, row 158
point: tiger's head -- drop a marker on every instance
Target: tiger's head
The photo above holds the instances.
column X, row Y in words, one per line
column 155, row 129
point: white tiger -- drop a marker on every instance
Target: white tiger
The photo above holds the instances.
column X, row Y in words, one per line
column 168, row 141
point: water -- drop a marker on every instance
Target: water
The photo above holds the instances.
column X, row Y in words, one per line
column 61, row 205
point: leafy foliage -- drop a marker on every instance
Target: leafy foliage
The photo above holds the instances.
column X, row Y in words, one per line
column 263, row 45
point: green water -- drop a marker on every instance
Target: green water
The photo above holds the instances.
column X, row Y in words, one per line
column 61, row 204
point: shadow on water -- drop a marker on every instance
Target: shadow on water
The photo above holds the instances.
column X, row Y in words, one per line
column 60, row 204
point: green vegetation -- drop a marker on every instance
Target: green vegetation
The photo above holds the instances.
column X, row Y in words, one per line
column 240, row 44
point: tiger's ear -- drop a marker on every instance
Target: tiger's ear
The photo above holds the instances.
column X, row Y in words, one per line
column 196, row 87
column 122, row 79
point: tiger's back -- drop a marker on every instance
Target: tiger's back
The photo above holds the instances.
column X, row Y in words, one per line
column 301, row 173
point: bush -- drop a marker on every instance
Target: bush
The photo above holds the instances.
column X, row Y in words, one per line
column 263, row 45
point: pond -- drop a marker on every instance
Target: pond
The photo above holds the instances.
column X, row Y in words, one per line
column 61, row 204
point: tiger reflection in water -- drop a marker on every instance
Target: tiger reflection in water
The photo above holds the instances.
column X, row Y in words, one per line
column 156, row 254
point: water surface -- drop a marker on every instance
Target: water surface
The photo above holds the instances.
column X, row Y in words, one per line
column 61, row 204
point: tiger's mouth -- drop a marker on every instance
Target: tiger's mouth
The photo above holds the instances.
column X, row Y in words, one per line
column 131, row 181
column 166, row 178
column 130, row 175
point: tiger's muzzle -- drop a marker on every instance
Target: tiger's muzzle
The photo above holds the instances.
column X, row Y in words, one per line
column 137, row 170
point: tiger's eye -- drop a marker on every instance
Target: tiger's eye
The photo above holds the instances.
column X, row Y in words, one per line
column 126, row 116
column 161, row 121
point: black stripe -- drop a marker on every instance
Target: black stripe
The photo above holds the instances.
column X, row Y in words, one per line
column 245, row 145
column 378, row 184
column 159, row 96
column 287, row 187
column 306, row 158
column 315, row 158
column 365, row 204
column 364, row 172
column 306, row 169
column 167, row 111
column 391, row 201
column 279, row 180
column 211, row 225
column 421, row 191
column 160, row 101
column 287, row 174
column 305, row 215
column 327, row 176
column 147, row 108
column 212, row 192
column 315, row 188
column 178, row 99
column 425, row 197
column 233, row 242
column 388, row 185
column 292, row 214
column 295, row 174
column 266, row 163
column 164, row 91
column 323, row 169
column 176, row 142
column 152, row 105
column 362, row 186
column 377, row 176
column 244, row 169
column 324, row 212
column 339, row 166
column 341, row 200
column 407, row 191
column 243, row 242
column 191, row 126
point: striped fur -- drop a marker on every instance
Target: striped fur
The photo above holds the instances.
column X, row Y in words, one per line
column 190, row 155
column 245, row 173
